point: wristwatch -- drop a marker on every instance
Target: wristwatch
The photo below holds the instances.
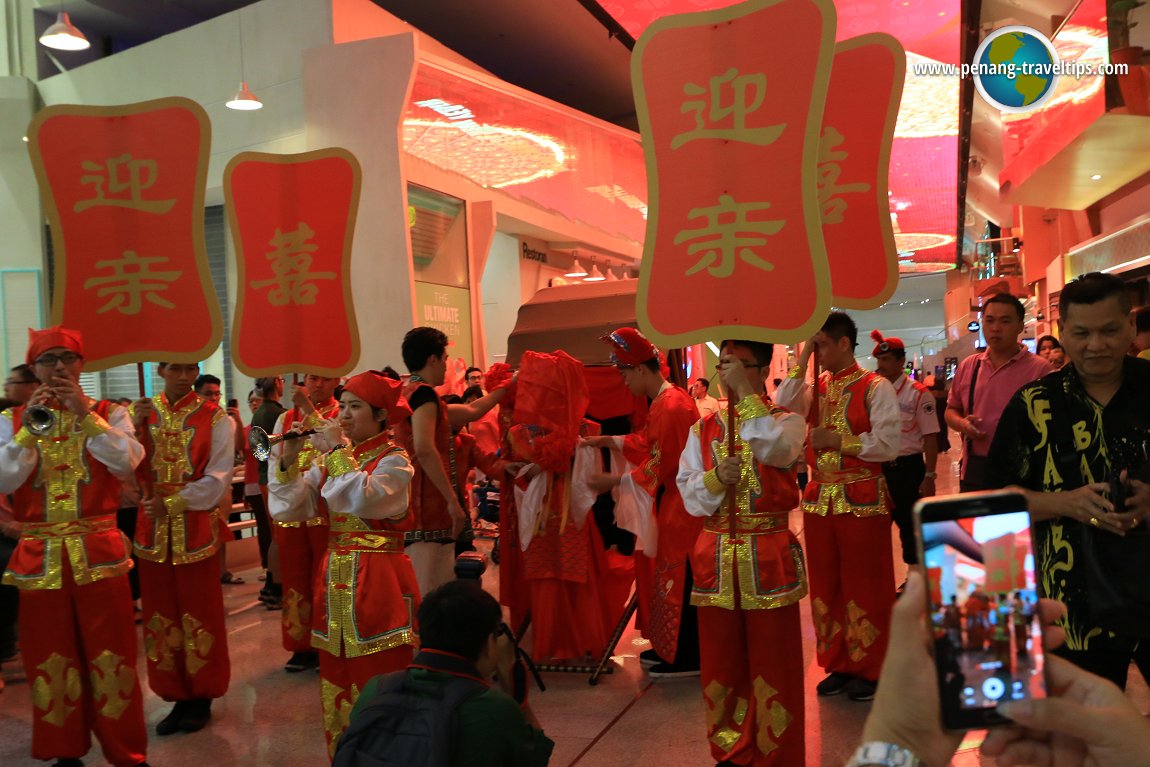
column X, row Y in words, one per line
column 879, row 754
column 931, row 474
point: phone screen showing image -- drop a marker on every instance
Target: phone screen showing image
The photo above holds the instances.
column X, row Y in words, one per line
column 984, row 605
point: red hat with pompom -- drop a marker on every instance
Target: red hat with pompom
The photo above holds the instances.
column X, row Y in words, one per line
column 884, row 345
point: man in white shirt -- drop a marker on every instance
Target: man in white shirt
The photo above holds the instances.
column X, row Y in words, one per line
column 705, row 403
column 911, row 474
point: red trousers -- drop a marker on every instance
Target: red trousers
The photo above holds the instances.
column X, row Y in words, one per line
column 852, row 590
column 185, row 633
column 301, row 551
column 341, row 680
column 752, row 677
column 79, row 646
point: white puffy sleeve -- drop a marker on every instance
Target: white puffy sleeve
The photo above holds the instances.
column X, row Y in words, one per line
column 382, row 493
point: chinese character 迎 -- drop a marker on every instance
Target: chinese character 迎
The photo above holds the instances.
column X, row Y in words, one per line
column 291, row 259
column 132, row 282
column 746, row 94
column 829, row 170
column 120, row 183
column 728, row 234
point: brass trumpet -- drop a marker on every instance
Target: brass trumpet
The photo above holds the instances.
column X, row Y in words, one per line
column 262, row 443
column 39, row 419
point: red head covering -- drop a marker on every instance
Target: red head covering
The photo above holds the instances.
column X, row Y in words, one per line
column 379, row 391
column 40, row 341
column 884, row 345
column 629, row 348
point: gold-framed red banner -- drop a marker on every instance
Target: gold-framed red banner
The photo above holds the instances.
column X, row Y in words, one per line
column 730, row 106
column 292, row 219
column 854, row 159
column 123, row 188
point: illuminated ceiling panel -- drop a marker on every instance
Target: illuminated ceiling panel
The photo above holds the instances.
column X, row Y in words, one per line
column 924, row 159
column 530, row 149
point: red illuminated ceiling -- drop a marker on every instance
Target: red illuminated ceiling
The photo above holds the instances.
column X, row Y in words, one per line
column 924, row 160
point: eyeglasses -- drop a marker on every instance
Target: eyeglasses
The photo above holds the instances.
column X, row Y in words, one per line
column 50, row 360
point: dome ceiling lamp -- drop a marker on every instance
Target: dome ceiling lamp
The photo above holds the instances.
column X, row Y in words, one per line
column 64, row 36
column 244, row 100
column 576, row 271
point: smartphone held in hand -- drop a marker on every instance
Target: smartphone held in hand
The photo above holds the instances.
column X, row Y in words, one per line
column 987, row 647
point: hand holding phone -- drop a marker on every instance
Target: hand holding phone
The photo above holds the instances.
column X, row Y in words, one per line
column 983, row 605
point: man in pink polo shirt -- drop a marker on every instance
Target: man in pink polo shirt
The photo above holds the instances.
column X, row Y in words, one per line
column 994, row 375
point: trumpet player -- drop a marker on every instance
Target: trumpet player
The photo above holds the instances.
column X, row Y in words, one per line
column 64, row 467
column 189, row 446
column 302, row 544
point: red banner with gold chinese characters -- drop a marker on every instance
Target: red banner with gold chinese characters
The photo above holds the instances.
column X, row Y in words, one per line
column 730, row 105
column 1005, row 561
column 292, row 218
column 854, row 156
column 124, row 192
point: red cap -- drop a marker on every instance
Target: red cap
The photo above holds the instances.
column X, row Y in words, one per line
column 379, row 391
column 884, row 345
column 630, row 348
column 40, row 341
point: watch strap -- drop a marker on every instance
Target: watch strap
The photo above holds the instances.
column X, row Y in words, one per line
column 880, row 754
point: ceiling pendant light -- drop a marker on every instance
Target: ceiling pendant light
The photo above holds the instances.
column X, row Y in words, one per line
column 64, row 36
column 244, row 100
column 577, row 269
column 594, row 275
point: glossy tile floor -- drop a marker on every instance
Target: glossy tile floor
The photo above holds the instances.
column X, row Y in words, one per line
column 271, row 719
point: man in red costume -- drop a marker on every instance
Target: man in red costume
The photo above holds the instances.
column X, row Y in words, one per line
column 749, row 573
column 847, row 507
column 190, row 448
column 302, row 544
column 650, row 489
column 77, row 632
column 426, row 436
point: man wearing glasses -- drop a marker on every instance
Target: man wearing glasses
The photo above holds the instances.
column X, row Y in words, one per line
column 20, row 384
column 77, row 627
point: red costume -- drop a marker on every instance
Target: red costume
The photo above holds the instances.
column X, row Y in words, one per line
column 749, row 578
column 669, row 421
column 301, row 544
column 77, row 633
column 848, row 518
column 190, row 450
column 365, row 624
column 564, row 563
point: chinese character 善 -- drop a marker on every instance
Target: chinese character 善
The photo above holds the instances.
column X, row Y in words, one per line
column 831, row 206
column 291, row 259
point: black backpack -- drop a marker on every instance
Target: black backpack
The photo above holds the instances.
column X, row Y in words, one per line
column 404, row 725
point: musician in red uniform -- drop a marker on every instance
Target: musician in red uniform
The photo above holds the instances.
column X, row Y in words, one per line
column 847, row 509
column 650, row 490
column 749, row 572
column 77, row 632
column 302, row 544
column 367, row 595
column 190, row 449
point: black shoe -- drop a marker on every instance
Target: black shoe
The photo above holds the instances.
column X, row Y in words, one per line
column 171, row 723
column 69, row 762
column 861, row 689
column 197, row 715
column 671, row 671
column 301, row 661
column 650, row 658
column 835, row 683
